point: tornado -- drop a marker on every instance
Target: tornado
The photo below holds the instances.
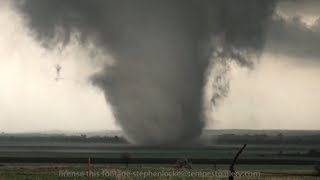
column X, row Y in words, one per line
column 164, row 50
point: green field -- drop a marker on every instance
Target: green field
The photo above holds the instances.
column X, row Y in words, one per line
column 201, row 153
column 31, row 171
column 258, row 160
column 45, row 171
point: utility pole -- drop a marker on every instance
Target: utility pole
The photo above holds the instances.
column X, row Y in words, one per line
column 89, row 163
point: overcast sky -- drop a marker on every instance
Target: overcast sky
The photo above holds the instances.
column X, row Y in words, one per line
column 31, row 99
column 282, row 92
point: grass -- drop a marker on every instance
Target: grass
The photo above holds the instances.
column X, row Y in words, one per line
column 51, row 171
column 45, row 171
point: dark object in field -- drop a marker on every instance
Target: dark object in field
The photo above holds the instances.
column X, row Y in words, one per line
column 183, row 163
column 317, row 169
column 231, row 168
column 126, row 157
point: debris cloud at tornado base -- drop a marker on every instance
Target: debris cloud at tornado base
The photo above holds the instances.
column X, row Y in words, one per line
column 165, row 53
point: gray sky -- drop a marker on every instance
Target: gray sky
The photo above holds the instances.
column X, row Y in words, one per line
column 282, row 92
column 30, row 98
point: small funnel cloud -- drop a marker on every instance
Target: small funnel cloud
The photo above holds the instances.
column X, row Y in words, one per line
column 162, row 51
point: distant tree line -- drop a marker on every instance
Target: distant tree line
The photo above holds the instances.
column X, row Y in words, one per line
column 63, row 138
column 266, row 139
column 309, row 153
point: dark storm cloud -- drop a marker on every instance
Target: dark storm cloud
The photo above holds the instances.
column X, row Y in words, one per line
column 291, row 31
column 292, row 37
column 161, row 50
column 295, row 7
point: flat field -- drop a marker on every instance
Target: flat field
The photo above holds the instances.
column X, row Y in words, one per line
column 69, row 161
column 152, row 171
